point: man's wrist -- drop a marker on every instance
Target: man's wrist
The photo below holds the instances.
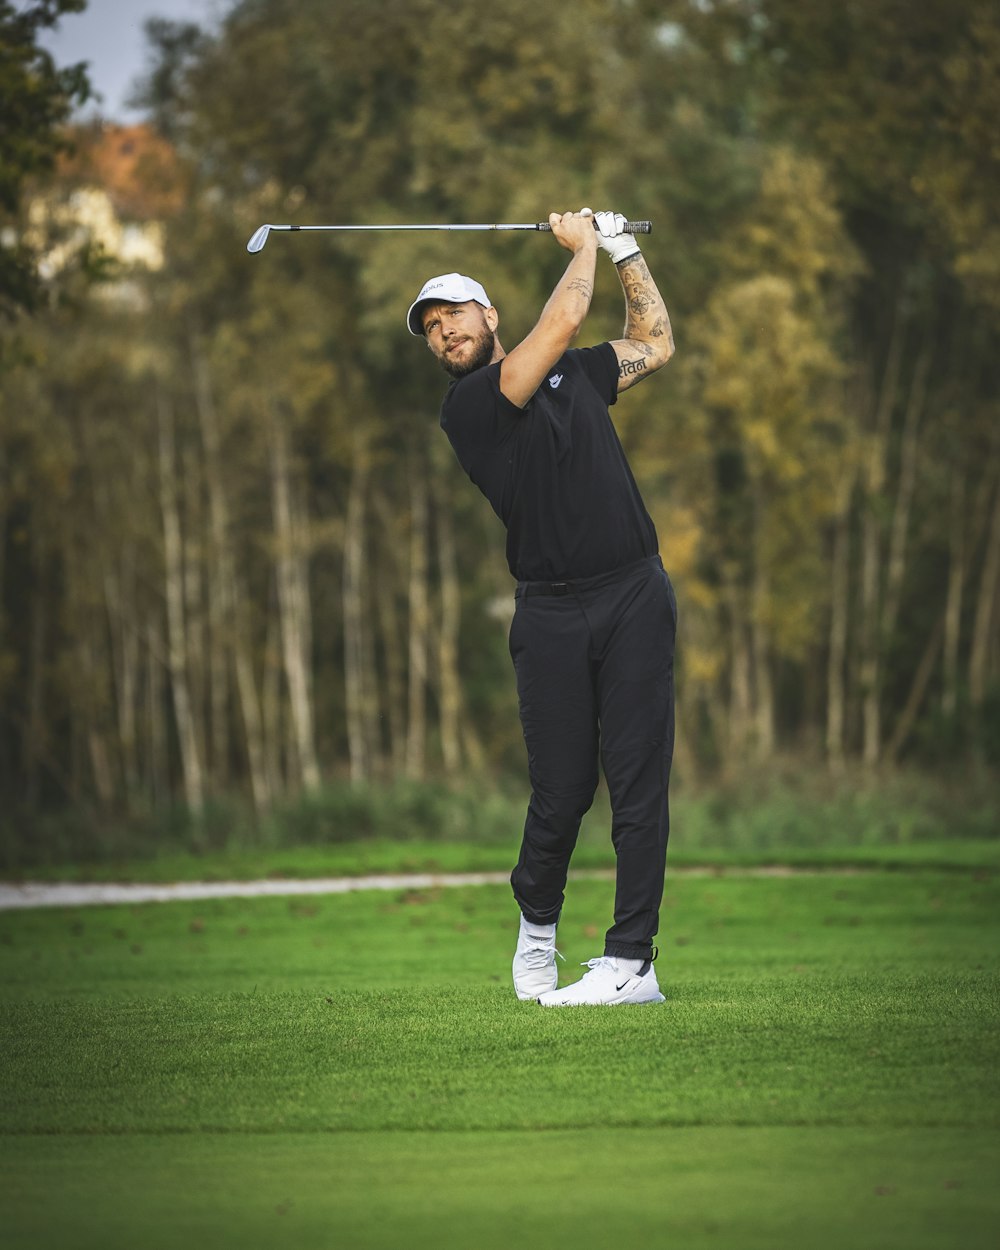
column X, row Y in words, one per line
column 624, row 260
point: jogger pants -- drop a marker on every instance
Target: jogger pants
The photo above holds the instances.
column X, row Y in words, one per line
column 595, row 677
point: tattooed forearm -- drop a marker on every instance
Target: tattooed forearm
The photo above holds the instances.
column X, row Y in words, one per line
column 641, row 296
column 585, row 288
column 635, row 269
column 662, row 328
column 647, row 343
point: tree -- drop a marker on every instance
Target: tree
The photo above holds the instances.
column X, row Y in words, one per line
column 36, row 99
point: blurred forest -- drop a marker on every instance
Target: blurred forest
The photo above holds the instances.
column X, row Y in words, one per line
column 236, row 553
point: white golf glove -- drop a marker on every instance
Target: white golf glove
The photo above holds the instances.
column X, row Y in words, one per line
column 610, row 236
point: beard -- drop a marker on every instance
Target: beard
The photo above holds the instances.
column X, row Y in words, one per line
column 481, row 354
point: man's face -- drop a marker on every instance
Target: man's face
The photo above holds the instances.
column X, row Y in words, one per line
column 460, row 335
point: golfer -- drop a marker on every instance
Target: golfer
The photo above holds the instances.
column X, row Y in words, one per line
column 592, row 638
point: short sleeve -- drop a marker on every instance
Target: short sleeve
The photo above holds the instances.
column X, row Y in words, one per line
column 600, row 364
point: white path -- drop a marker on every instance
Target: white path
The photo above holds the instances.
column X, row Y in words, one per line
column 21, row 895
column 85, row 894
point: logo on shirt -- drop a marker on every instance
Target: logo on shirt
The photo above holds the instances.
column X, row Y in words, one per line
column 555, row 380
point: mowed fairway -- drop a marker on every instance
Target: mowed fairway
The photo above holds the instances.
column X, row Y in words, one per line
column 355, row 1071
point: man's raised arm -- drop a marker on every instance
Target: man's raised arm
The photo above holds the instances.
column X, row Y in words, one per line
column 647, row 342
column 524, row 368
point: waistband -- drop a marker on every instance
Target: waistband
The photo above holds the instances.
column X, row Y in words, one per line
column 577, row 584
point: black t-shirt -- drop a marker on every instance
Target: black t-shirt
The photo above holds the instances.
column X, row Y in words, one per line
column 554, row 472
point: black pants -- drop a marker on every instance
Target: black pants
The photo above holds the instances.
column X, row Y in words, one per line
column 595, row 674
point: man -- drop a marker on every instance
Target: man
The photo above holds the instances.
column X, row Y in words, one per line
column 592, row 638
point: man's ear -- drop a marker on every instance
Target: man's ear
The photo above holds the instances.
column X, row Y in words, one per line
column 492, row 318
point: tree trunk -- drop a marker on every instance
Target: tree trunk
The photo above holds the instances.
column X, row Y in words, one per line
column 739, row 679
column 393, row 642
column 874, row 482
column 355, row 632
column 157, row 767
column 450, row 700
column 763, row 686
column 90, row 665
column 271, row 708
column 909, row 448
column 416, row 736
column 230, row 632
column 6, row 770
column 250, row 704
column 921, row 680
column 956, row 587
column 218, row 579
column 836, row 673
column 193, row 540
column 35, row 692
column 986, row 599
column 174, row 587
column 123, row 632
column 294, row 608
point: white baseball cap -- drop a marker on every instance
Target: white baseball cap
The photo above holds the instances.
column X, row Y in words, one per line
column 446, row 288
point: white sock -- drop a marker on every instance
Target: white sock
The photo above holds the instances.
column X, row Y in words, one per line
column 537, row 930
column 629, row 965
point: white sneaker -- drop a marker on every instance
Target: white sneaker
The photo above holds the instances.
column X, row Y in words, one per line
column 605, row 985
column 535, row 960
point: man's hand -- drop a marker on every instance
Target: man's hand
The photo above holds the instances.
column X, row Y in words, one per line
column 574, row 231
column 612, row 238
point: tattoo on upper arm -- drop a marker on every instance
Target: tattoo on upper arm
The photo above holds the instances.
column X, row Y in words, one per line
column 629, row 368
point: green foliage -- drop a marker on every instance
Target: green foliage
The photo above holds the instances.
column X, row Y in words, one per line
column 406, row 827
column 36, row 98
column 821, row 185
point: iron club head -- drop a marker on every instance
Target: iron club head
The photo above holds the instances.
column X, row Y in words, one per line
column 258, row 238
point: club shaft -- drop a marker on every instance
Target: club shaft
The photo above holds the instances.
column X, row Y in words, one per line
column 260, row 236
column 407, row 227
column 630, row 227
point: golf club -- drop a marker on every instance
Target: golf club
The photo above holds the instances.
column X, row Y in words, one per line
column 259, row 236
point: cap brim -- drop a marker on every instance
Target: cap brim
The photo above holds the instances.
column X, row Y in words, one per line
column 413, row 321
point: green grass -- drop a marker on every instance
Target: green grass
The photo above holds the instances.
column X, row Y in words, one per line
column 354, row 1071
column 358, row 859
column 755, row 1189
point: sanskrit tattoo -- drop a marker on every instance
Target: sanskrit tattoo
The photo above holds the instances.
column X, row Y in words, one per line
column 628, row 368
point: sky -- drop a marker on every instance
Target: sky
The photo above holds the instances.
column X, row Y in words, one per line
column 109, row 35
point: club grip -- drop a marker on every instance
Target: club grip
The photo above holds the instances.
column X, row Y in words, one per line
column 630, row 227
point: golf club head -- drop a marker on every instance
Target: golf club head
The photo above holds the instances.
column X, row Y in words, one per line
column 258, row 238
